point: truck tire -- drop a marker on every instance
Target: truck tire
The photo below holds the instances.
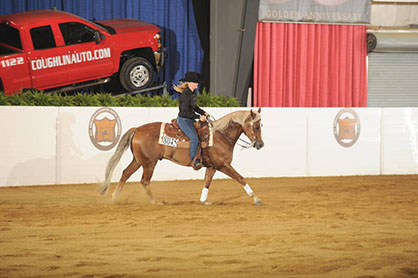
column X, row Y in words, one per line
column 136, row 74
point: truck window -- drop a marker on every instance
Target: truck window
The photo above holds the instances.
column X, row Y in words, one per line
column 42, row 37
column 10, row 36
column 75, row 33
column 7, row 50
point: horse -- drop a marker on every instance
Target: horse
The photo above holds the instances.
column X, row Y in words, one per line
column 146, row 151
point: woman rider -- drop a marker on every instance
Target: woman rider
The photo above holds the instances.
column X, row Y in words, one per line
column 188, row 109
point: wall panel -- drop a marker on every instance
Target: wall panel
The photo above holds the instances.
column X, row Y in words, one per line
column 400, row 140
column 28, row 145
column 52, row 145
column 328, row 158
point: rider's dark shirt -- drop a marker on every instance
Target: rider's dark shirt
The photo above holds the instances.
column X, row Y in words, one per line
column 188, row 106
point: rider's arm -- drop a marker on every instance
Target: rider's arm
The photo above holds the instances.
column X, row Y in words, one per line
column 199, row 110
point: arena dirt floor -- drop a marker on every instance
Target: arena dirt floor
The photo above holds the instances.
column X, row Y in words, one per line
column 361, row 226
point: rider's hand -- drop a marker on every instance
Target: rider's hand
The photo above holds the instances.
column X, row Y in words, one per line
column 207, row 115
column 202, row 118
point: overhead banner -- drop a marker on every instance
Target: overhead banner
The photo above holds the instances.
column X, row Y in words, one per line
column 316, row 11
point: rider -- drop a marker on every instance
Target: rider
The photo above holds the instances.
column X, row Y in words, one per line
column 188, row 108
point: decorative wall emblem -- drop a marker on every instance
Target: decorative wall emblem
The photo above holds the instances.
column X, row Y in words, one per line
column 347, row 127
column 105, row 128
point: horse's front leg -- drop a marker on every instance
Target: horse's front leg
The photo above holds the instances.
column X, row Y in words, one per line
column 231, row 172
column 208, row 180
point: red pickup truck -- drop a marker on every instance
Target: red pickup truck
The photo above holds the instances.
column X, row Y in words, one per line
column 50, row 49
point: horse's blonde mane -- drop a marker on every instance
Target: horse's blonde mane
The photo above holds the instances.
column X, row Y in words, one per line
column 236, row 117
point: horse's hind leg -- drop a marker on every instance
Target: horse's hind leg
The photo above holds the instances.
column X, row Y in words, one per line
column 146, row 180
column 125, row 176
column 230, row 171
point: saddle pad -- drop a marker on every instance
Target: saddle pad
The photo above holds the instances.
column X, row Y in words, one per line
column 174, row 142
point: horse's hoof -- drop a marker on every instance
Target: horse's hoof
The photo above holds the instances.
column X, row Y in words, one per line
column 258, row 203
column 206, row 203
column 102, row 190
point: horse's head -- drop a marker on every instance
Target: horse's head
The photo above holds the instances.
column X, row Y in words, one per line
column 252, row 129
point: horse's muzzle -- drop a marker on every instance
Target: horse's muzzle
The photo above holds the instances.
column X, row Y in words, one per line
column 258, row 144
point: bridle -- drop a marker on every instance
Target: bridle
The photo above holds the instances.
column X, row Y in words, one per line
column 244, row 144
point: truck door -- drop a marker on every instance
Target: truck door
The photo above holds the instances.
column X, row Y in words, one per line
column 45, row 70
column 80, row 44
column 14, row 71
column 70, row 56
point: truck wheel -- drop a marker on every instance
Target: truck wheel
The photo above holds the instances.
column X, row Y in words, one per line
column 136, row 74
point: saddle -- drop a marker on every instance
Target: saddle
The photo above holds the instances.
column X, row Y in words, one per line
column 172, row 135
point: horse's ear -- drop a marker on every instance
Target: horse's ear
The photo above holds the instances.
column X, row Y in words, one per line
column 259, row 109
column 252, row 114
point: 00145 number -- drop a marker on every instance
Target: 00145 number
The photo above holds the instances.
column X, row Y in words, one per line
column 12, row 62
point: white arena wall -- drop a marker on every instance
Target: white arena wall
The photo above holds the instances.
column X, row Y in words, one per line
column 51, row 145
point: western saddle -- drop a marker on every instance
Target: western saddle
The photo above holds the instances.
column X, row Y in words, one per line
column 202, row 128
column 172, row 130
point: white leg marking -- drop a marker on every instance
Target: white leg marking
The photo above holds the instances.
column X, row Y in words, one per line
column 248, row 189
column 204, row 195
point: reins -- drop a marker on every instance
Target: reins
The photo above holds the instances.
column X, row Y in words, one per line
column 247, row 144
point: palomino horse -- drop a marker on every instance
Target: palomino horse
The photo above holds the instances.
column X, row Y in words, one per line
column 147, row 151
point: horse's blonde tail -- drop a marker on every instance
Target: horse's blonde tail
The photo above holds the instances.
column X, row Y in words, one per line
column 124, row 143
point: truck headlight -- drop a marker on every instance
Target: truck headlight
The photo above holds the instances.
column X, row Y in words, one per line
column 157, row 36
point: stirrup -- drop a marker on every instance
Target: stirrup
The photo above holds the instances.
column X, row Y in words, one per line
column 196, row 166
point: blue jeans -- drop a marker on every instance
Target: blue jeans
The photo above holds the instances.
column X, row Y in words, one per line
column 186, row 125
